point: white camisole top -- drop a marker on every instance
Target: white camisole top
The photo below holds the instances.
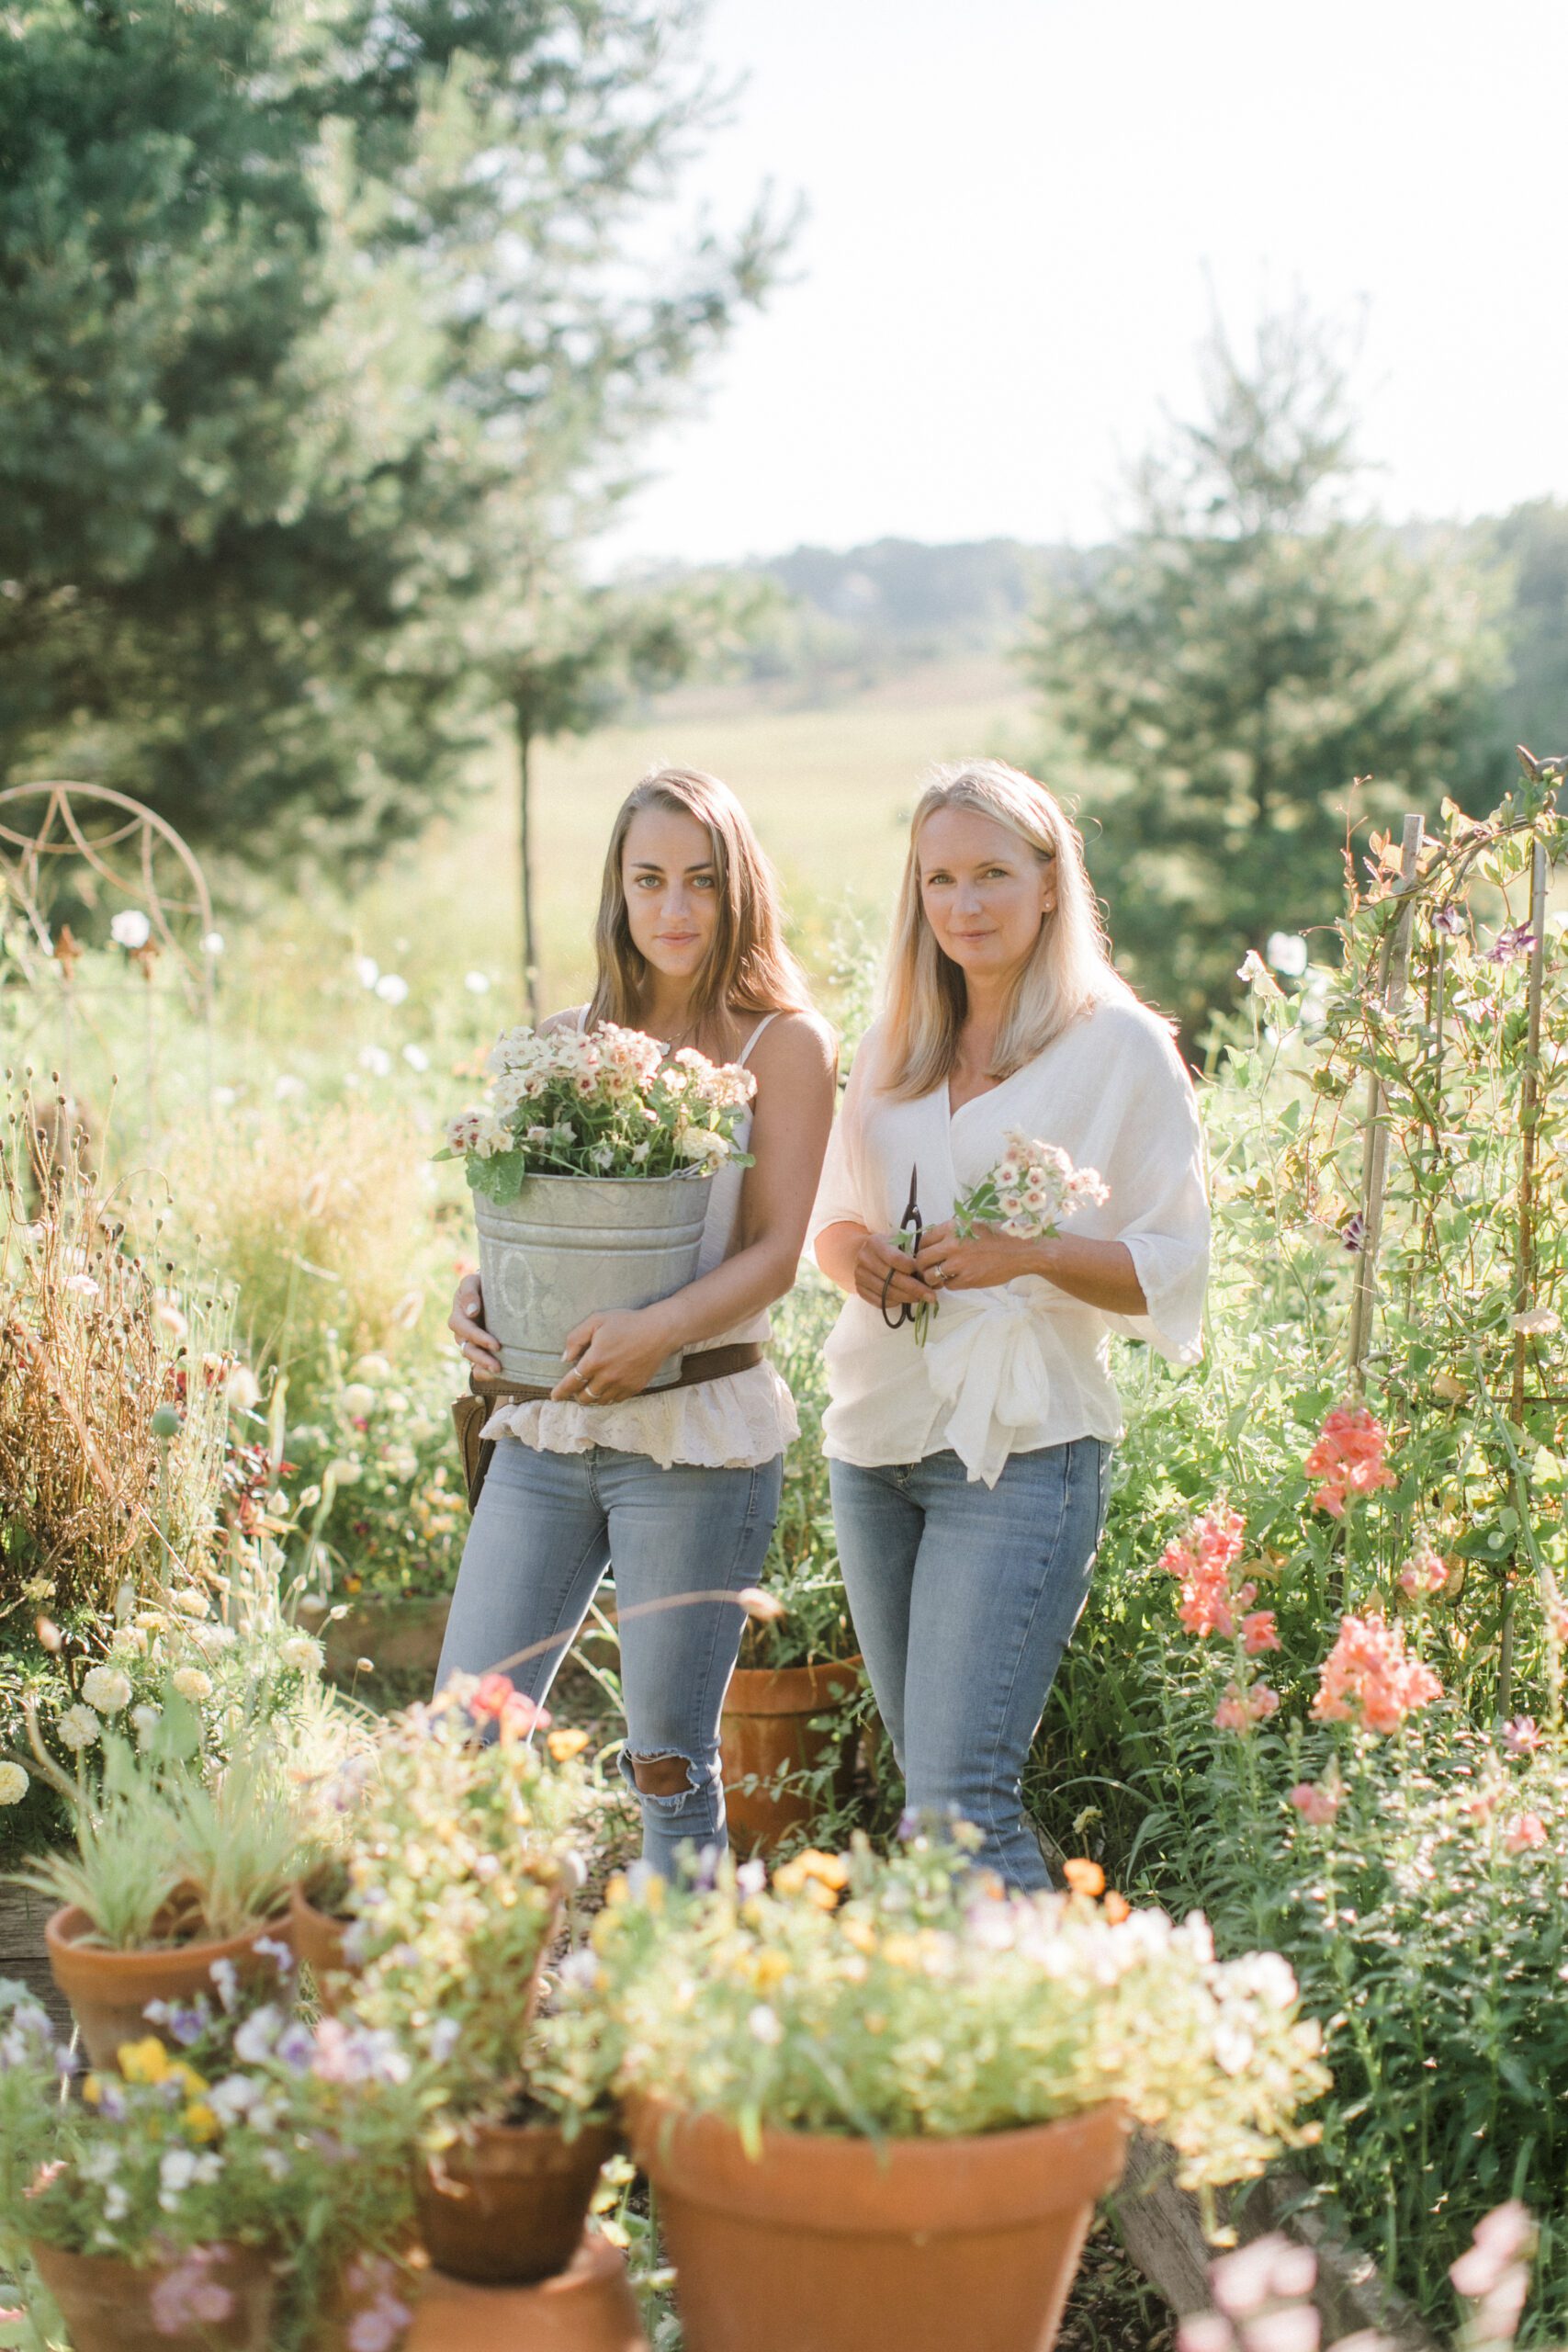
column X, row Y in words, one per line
column 735, row 1423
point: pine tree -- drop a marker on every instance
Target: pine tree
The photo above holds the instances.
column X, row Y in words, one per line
column 1231, row 667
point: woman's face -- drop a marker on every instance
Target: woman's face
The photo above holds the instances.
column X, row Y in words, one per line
column 983, row 889
column 670, row 879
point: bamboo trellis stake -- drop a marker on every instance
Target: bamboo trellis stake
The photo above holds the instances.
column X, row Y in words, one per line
column 1374, row 1165
column 1523, row 1251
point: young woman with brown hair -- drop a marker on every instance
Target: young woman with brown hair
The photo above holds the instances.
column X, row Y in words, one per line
column 676, row 1490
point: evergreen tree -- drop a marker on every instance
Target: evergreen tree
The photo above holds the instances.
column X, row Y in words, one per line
column 324, row 325
column 1234, row 664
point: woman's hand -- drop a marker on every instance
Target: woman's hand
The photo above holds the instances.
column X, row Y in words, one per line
column 613, row 1356
column 466, row 1322
column 983, row 1263
column 878, row 1256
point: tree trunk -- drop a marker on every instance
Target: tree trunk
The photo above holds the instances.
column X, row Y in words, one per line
column 526, row 846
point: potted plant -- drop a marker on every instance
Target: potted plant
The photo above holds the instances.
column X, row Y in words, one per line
column 586, row 1163
column 879, row 2101
column 787, row 1735
column 459, row 1858
column 208, row 2194
column 179, row 1863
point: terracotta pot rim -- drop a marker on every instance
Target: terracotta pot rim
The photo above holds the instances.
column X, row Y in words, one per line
column 300, row 1902
column 62, row 1932
column 829, row 2182
column 513, row 2135
column 786, row 1689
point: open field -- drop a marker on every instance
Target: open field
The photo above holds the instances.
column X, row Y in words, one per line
column 828, row 788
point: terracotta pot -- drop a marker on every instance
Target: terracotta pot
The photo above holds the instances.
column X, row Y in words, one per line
column 107, row 2304
column 399, row 1636
column 509, row 2206
column 766, row 1728
column 828, row 2245
column 589, row 2307
column 108, row 1991
column 317, row 1938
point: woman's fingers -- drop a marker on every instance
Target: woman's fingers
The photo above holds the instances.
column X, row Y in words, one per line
column 882, row 1272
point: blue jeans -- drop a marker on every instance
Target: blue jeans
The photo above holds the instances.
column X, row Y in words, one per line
column 963, row 1599
column 547, row 1528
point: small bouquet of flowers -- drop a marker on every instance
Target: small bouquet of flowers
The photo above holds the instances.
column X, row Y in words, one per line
column 1032, row 1189
column 598, row 1102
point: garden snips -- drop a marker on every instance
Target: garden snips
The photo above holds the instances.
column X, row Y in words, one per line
column 908, row 1237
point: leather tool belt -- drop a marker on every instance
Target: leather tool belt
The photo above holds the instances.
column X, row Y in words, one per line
column 487, row 1394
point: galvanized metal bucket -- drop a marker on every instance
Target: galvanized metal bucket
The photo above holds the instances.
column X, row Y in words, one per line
column 570, row 1244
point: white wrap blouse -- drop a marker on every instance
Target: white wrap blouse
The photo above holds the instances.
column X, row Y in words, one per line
column 1011, row 1369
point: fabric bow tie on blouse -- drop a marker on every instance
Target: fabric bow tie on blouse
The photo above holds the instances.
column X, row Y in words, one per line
column 987, row 1363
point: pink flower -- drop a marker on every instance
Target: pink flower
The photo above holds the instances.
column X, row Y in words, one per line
column 1370, row 1679
column 1204, row 1558
column 1242, row 1707
column 1521, row 1737
column 1315, row 1802
column 1347, row 1457
column 1523, row 1830
column 496, row 1699
column 189, row 2298
column 1424, row 1571
column 1258, row 1632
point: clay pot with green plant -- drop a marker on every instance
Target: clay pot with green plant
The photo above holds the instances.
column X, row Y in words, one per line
column 932, row 2183
column 179, row 1863
column 780, row 1727
column 589, row 2306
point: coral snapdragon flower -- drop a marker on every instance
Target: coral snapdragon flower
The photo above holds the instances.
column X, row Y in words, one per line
column 1370, row 1679
column 1347, row 1459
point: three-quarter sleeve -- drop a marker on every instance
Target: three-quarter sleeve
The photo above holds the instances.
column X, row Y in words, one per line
column 1159, row 1200
column 841, row 1197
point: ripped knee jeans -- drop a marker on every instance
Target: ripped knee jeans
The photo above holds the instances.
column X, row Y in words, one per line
column 547, row 1528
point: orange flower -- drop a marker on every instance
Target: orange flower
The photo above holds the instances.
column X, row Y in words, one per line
column 564, row 1744
column 1084, row 1877
column 820, row 1877
column 1117, row 1908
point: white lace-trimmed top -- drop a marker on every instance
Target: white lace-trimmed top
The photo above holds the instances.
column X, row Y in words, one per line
column 735, row 1423
column 1021, row 1366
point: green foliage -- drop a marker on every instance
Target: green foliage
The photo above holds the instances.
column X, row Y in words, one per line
column 802, row 1570
column 295, row 377
column 1242, row 655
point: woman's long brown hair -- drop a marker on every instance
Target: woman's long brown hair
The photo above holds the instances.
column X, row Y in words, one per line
column 749, row 966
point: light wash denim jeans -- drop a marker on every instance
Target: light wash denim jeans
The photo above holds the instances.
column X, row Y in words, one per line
column 547, row 1528
column 963, row 1599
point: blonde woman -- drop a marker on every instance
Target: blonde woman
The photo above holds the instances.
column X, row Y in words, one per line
column 676, row 1490
column 969, row 1475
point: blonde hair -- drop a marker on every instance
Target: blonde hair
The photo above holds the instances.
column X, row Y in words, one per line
column 748, row 965
column 925, row 996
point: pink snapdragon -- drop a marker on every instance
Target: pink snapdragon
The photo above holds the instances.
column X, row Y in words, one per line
column 1347, row 1458
column 1259, row 1632
column 1317, row 1802
column 1522, row 1831
column 1204, row 1558
column 496, row 1699
column 1423, row 1573
column 1370, row 1679
column 1245, row 1704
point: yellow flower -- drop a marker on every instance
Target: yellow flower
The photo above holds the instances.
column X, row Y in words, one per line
column 1084, row 1878
column 564, row 1744
column 901, row 1951
column 143, row 2062
column 199, row 2121
column 190, row 2082
column 818, row 1876
column 858, row 1932
column 771, row 1966
column 615, row 1889
column 93, row 2089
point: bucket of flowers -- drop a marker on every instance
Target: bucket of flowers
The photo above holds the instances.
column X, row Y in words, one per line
column 588, row 1162
column 878, row 2099
column 235, row 2173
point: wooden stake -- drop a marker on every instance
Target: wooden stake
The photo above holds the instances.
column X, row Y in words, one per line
column 1374, row 1164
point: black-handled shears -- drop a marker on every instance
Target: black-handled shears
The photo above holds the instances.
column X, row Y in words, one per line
column 913, row 1226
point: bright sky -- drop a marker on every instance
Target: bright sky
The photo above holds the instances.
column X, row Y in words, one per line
column 1017, row 210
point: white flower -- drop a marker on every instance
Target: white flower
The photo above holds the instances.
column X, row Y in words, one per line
column 763, row 2025
column 1538, row 1322
column 1255, row 974
column 225, row 1097
column 416, row 1057
column 130, row 1641
column 288, row 1088
column 13, row 1784
column 78, row 1727
column 1287, row 951
column 358, row 1400
column 131, row 928
column 368, row 969
column 392, row 989
column 373, row 1366
column 342, row 1471
column 82, row 1284
column 302, row 1653
column 146, row 1719
column 107, row 1688
column 176, row 2170
column 192, row 1683
column 476, row 983
column 191, row 1601
column 375, row 1060
column 212, row 942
